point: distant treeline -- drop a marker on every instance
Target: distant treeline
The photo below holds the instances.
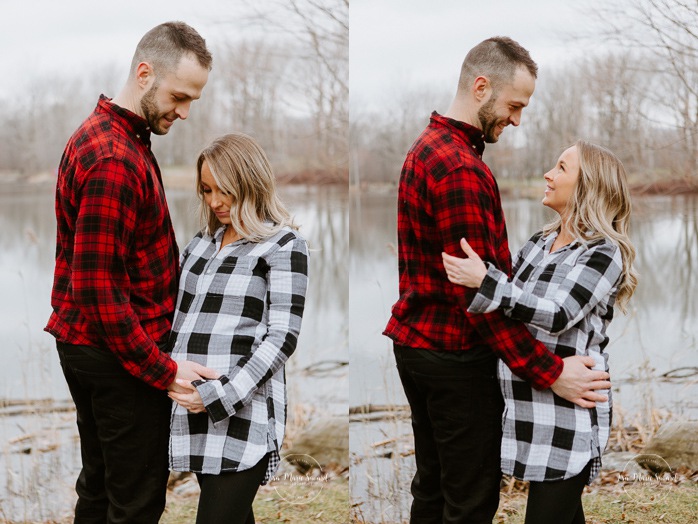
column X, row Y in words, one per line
column 625, row 102
column 639, row 100
column 290, row 92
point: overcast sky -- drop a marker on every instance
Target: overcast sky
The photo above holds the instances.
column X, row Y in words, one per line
column 66, row 37
column 423, row 43
column 420, row 42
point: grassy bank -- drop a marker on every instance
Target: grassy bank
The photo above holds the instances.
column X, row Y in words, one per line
column 614, row 497
column 290, row 506
column 672, row 505
column 330, row 505
column 607, row 505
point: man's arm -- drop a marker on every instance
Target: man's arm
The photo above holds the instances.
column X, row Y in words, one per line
column 462, row 207
column 104, row 229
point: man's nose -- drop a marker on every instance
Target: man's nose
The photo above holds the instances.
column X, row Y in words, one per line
column 182, row 110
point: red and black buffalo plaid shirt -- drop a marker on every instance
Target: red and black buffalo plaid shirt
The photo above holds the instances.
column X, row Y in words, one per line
column 446, row 193
column 117, row 261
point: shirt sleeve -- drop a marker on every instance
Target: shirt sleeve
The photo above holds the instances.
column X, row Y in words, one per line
column 462, row 205
column 104, row 230
column 590, row 280
column 287, row 284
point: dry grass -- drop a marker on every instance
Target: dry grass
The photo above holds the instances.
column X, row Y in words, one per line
column 678, row 505
column 608, row 500
column 633, row 433
column 330, row 505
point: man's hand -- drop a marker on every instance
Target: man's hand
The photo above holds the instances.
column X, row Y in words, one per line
column 578, row 384
column 190, row 371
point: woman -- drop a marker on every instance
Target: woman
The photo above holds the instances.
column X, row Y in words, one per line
column 239, row 308
column 566, row 280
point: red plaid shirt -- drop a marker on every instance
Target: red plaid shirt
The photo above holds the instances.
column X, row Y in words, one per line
column 117, row 261
column 447, row 192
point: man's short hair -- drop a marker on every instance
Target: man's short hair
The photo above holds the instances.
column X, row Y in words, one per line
column 164, row 45
column 497, row 58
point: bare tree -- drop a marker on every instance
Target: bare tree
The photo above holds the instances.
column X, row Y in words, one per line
column 319, row 32
column 251, row 76
column 381, row 138
column 556, row 116
column 668, row 31
column 619, row 90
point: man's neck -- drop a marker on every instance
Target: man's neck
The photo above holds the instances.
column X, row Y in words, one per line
column 128, row 100
column 459, row 110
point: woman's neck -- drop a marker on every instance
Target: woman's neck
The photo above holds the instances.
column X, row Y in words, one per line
column 230, row 236
column 564, row 238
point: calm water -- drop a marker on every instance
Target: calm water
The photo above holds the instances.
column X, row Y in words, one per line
column 660, row 333
column 317, row 372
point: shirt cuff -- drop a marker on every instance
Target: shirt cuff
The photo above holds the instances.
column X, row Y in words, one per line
column 485, row 299
column 215, row 398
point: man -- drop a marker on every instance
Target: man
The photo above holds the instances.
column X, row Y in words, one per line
column 115, row 280
column 445, row 356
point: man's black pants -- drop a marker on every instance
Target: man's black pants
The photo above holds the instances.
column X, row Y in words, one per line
column 124, row 434
column 457, row 423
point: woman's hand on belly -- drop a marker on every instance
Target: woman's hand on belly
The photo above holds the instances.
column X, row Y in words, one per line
column 191, row 400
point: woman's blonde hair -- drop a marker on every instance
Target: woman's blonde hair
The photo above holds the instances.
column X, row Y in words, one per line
column 600, row 208
column 241, row 168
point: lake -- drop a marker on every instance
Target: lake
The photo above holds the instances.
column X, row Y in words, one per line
column 40, row 454
column 650, row 350
column 353, row 284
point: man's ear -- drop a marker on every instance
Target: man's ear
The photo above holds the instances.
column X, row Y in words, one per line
column 481, row 88
column 145, row 75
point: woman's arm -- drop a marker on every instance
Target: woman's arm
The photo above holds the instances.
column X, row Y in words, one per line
column 287, row 282
column 593, row 276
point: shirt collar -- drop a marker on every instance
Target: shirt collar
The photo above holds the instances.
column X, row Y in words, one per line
column 136, row 124
column 218, row 233
column 471, row 134
column 217, row 236
column 550, row 239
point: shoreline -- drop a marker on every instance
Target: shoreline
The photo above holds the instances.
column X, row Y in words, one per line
column 532, row 188
column 179, row 177
column 176, row 177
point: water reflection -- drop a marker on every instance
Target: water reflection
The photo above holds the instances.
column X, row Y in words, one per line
column 39, row 484
column 659, row 333
column 27, row 248
column 322, row 216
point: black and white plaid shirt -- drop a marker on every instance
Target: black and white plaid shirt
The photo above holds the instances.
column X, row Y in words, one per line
column 566, row 299
column 239, row 312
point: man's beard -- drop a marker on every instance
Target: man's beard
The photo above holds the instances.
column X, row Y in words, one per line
column 489, row 121
column 151, row 111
